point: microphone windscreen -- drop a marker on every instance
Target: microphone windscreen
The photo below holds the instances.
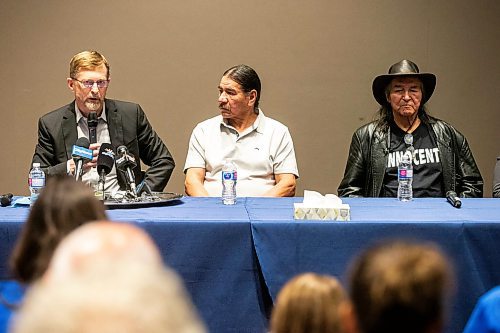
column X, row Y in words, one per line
column 82, row 142
column 122, row 150
column 6, row 199
column 453, row 199
column 105, row 159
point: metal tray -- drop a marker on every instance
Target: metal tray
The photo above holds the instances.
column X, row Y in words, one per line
column 164, row 199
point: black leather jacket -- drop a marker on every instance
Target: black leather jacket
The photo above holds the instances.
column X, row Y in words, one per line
column 365, row 169
column 496, row 179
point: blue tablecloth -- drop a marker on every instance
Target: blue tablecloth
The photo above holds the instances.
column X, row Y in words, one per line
column 234, row 259
column 207, row 243
column 470, row 236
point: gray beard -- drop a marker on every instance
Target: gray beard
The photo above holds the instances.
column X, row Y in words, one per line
column 93, row 106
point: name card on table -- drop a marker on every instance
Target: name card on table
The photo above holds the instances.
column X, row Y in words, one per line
column 315, row 206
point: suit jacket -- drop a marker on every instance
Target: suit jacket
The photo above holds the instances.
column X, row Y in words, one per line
column 127, row 125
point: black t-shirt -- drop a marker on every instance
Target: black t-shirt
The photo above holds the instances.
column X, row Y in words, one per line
column 427, row 169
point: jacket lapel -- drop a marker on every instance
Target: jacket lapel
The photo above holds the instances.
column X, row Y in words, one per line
column 379, row 154
column 115, row 127
column 446, row 147
column 68, row 128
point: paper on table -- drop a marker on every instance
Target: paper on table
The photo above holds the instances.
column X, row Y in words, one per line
column 21, row 201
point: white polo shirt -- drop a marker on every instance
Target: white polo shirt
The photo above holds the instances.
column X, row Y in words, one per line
column 261, row 151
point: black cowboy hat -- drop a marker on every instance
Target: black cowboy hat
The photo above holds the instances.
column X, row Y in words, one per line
column 403, row 68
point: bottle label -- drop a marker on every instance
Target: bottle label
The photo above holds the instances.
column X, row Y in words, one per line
column 37, row 182
column 405, row 174
column 229, row 175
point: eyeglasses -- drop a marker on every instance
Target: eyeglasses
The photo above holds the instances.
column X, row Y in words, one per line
column 90, row 83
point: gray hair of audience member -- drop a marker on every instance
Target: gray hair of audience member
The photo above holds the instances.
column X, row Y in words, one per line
column 107, row 277
column 400, row 286
column 247, row 78
column 310, row 303
column 124, row 296
column 101, row 241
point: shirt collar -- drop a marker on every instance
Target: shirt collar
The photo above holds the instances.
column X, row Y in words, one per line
column 258, row 124
column 79, row 115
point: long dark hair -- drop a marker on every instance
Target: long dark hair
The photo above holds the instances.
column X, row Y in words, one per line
column 384, row 116
column 62, row 206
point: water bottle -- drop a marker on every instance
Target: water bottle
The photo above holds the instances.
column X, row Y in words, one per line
column 229, row 177
column 405, row 178
column 36, row 181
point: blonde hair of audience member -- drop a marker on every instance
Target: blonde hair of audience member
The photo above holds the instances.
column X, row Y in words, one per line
column 400, row 287
column 87, row 60
column 310, row 303
column 108, row 277
column 62, row 206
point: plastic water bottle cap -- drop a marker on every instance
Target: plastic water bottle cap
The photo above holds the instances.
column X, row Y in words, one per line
column 36, row 165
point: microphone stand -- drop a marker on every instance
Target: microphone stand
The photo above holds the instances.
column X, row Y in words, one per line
column 78, row 169
column 92, row 124
column 100, row 186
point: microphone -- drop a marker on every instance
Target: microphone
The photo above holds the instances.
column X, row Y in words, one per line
column 92, row 123
column 81, row 154
column 6, row 199
column 126, row 163
column 105, row 162
column 453, row 199
column 144, row 187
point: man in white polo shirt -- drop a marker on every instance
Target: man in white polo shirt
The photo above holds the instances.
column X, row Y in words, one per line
column 261, row 147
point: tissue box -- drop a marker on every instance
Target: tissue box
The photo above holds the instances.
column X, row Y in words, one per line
column 338, row 213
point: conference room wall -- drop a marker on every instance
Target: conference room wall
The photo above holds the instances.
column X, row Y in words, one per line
column 316, row 59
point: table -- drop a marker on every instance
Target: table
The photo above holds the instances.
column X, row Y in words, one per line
column 234, row 259
column 207, row 243
column 470, row 236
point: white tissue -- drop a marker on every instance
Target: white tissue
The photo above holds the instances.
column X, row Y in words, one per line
column 316, row 199
column 315, row 206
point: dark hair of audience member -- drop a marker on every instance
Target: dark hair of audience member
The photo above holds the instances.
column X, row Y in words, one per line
column 400, row 287
column 309, row 303
column 62, row 206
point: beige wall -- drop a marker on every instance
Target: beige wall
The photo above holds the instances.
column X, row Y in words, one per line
column 316, row 60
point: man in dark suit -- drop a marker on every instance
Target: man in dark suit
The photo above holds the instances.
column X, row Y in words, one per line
column 119, row 123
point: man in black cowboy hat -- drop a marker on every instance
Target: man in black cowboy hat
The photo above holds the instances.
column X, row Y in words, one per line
column 442, row 159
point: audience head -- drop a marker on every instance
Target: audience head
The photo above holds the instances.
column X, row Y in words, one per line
column 62, row 206
column 400, row 287
column 101, row 241
column 310, row 303
column 107, row 277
